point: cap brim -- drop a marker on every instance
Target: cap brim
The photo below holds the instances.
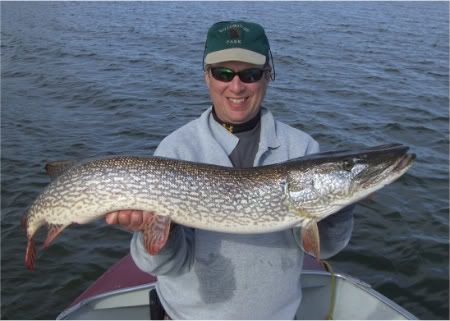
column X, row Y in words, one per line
column 235, row 54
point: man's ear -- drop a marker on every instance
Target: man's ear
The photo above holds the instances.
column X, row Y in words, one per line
column 207, row 80
column 268, row 73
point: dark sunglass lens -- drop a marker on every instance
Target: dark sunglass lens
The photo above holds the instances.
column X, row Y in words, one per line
column 222, row 74
column 226, row 74
column 251, row 75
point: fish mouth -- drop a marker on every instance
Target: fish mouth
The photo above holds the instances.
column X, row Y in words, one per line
column 404, row 162
column 386, row 153
column 386, row 164
column 381, row 161
column 394, row 157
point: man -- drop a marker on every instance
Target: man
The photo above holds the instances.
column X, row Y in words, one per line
column 209, row 275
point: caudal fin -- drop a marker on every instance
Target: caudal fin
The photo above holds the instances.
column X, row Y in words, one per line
column 30, row 254
column 23, row 222
column 156, row 233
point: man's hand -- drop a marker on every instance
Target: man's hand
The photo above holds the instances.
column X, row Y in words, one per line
column 132, row 220
column 156, row 228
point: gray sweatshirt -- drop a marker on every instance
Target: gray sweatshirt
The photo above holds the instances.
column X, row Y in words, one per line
column 211, row 275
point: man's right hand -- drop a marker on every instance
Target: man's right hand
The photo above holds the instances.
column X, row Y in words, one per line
column 132, row 220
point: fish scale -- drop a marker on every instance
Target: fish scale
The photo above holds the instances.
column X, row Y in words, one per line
column 262, row 199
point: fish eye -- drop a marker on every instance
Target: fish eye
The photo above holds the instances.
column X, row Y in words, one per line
column 348, row 165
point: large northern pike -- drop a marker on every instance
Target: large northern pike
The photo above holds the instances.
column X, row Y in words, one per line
column 263, row 199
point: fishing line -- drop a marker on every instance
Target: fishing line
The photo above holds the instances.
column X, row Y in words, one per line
column 329, row 269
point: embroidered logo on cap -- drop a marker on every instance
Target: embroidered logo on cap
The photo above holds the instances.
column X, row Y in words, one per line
column 234, row 32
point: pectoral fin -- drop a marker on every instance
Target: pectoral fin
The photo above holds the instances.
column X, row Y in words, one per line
column 311, row 240
column 156, row 233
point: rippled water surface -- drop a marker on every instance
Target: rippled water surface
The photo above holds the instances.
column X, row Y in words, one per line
column 85, row 79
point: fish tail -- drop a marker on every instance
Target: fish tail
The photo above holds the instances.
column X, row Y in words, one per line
column 156, row 233
column 30, row 254
column 24, row 222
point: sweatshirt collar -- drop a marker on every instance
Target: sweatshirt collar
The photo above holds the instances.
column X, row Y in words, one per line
column 228, row 141
column 269, row 138
column 237, row 128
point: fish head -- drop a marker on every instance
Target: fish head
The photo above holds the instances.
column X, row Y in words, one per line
column 324, row 183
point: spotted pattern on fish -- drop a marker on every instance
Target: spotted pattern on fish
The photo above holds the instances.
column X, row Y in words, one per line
column 191, row 194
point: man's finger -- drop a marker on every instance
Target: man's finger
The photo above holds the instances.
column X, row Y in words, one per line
column 136, row 219
column 124, row 217
column 111, row 218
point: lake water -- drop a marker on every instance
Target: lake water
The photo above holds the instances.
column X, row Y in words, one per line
column 86, row 79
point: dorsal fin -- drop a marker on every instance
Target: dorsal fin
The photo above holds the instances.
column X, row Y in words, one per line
column 56, row 168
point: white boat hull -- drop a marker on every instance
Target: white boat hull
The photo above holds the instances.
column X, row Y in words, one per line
column 353, row 300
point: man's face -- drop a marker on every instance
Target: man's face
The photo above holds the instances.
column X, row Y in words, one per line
column 236, row 102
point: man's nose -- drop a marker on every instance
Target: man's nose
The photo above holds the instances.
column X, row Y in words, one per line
column 236, row 85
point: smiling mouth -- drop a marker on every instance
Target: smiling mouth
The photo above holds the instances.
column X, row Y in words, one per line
column 237, row 100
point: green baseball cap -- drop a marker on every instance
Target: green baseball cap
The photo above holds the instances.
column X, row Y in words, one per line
column 236, row 41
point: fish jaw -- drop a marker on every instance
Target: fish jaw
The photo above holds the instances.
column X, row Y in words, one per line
column 386, row 176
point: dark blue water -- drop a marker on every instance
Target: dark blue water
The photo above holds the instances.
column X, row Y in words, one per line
column 84, row 79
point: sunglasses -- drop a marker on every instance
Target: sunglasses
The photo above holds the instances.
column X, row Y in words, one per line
column 247, row 75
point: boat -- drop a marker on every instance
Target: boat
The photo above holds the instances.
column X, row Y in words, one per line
column 123, row 292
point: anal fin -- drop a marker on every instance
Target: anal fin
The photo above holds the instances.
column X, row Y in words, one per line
column 156, row 233
column 53, row 232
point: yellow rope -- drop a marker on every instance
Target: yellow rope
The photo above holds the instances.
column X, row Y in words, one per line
column 328, row 267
